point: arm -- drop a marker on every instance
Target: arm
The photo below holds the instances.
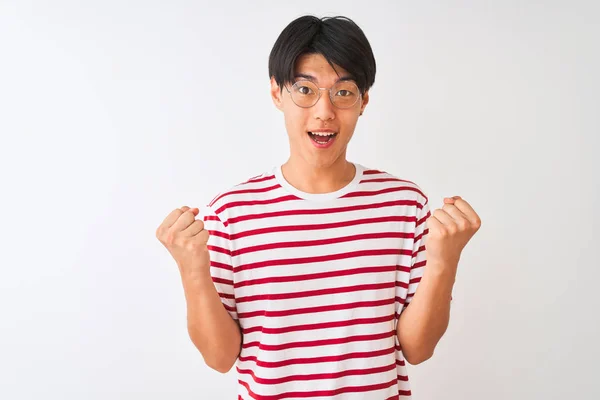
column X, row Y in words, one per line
column 201, row 250
column 423, row 323
column 212, row 330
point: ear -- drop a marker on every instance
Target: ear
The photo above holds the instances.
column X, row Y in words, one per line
column 276, row 94
column 365, row 101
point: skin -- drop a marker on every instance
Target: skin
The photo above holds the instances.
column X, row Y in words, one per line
column 309, row 168
column 423, row 323
column 314, row 170
column 212, row 330
column 210, row 327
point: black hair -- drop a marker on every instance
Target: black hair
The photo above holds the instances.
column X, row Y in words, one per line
column 339, row 39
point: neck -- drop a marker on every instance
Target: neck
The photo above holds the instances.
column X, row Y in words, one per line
column 318, row 179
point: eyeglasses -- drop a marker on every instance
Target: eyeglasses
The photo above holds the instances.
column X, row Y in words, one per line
column 343, row 94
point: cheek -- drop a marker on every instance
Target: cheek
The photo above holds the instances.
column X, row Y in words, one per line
column 349, row 123
column 295, row 120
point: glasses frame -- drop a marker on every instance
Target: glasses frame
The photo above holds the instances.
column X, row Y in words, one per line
column 319, row 96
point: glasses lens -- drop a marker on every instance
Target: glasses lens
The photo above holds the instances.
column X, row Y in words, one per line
column 305, row 93
column 344, row 94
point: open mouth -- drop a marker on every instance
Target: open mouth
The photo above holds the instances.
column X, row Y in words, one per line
column 322, row 138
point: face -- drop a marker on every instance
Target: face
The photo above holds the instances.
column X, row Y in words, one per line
column 300, row 121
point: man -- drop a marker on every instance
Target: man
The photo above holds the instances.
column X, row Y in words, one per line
column 304, row 274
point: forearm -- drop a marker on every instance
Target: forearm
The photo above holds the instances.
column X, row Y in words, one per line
column 212, row 330
column 423, row 323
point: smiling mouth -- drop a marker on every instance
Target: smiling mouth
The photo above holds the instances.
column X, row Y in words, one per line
column 323, row 138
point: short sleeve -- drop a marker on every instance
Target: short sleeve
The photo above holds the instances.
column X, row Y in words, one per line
column 419, row 258
column 221, row 266
column 408, row 275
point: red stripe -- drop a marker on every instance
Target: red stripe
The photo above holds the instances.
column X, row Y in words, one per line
column 414, row 280
column 421, row 249
column 324, row 325
column 373, row 172
column 382, row 191
column 419, row 264
column 402, row 268
column 312, row 377
column 325, row 258
column 401, row 284
column 255, row 180
column 345, row 306
column 385, row 180
column 331, row 210
column 244, row 191
column 320, row 275
column 318, row 360
column 218, row 249
column 229, row 308
column 321, row 242
column 332, row 225
column 422, row 220
column 221, row 266
column 317, row 292
column 211, row 218
column 399, row 300
column 219, row 234
column 319, row 393
column 256, row 202
column 216, row 279
column 322, row 342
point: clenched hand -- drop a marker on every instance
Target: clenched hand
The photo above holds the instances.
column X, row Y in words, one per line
column 186, row 239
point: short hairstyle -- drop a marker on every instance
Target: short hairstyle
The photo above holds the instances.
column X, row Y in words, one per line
column 338, row 39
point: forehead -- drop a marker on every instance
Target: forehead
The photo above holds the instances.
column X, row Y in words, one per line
column 316, row 66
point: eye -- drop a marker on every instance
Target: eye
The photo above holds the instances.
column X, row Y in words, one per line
column 304, row 90
column 344, row 93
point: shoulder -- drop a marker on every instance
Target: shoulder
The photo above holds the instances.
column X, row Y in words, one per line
column 405, row 187
column 241, row 191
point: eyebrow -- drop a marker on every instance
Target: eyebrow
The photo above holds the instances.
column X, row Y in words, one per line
column 313, row 79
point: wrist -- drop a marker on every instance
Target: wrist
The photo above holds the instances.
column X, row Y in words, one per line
column 441, row 269
column 196, row 282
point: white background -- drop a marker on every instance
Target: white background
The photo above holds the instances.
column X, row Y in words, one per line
column 114, row 113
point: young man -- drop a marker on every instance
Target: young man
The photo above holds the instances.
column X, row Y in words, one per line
column 304, row 274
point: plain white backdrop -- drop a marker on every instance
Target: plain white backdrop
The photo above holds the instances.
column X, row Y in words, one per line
column 114, row 113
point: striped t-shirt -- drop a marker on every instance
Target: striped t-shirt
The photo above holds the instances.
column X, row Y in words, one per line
column 317, row 283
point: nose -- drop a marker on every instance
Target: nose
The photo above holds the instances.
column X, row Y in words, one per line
column 324, row 109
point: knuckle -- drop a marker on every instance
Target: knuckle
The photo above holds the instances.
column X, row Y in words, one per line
column 170, row 238
column 204, row 236
column 190, row 245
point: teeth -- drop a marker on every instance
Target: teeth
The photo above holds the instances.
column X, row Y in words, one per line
column 324, row 133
